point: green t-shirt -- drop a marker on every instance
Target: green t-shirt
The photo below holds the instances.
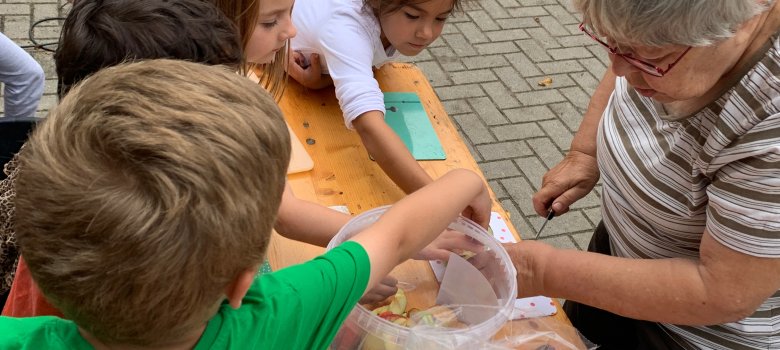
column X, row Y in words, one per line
column 299, row 307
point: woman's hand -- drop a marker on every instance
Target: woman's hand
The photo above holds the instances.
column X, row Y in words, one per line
column 308, row 72
column 528, row 257
column 573, row 178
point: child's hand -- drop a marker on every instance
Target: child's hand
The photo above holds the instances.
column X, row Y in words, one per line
column 382, row 291
column 479, row 208
column 308, row 72
column 449, row 241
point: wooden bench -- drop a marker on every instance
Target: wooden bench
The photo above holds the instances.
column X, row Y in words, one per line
column 343, row 174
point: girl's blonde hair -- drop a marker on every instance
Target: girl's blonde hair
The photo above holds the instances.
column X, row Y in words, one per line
column 244, row 14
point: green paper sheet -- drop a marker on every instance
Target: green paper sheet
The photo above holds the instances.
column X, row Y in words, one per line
column 406, row 116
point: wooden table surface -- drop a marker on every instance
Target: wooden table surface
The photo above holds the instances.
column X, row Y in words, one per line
column 343, row 174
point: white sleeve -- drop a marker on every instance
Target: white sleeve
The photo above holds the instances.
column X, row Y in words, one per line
column 348, row 50
column 23, row 78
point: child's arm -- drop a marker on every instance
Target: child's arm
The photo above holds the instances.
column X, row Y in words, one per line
column 418, row 219
column 390, row 153
column 308, row 222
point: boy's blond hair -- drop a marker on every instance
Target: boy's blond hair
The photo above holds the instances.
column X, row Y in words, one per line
column 146, row 192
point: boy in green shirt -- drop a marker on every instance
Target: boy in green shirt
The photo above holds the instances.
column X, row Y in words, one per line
column 145, row 205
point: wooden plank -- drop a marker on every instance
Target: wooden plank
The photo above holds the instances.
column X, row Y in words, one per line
column 343, row 174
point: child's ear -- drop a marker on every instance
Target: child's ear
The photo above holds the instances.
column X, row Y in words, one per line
column 236, row 290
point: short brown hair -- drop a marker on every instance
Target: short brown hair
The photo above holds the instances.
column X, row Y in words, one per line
column 103, row 33
column 145, row 192
column 383, row 7
column 244, row 14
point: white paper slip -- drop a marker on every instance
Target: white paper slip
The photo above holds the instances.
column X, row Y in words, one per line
column 341, row 208
column 537, row 306
column 500, row 229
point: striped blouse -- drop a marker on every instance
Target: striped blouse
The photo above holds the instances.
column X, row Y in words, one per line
column 666, row 181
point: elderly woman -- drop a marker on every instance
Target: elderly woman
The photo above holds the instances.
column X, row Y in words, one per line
column 684, row 130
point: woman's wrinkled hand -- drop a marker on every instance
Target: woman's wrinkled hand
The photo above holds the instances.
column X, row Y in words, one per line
column 573, row 178
column 528, row 257
column 308, row 72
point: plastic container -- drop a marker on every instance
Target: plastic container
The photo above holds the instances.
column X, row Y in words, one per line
column 366, row 331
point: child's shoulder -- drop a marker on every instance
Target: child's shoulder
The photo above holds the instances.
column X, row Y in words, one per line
column 43, row 332
column 287, row 308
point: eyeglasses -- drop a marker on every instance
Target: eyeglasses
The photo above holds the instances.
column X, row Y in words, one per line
column 644, row 66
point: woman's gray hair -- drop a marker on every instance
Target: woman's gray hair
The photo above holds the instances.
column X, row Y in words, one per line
column 668, row 22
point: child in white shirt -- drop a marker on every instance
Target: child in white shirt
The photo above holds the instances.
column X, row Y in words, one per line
column 346, row 39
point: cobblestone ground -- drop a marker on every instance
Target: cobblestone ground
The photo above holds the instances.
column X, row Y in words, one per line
column 487, row 68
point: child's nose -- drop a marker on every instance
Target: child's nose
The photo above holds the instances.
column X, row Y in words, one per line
column 290, row 31
column 425, row 32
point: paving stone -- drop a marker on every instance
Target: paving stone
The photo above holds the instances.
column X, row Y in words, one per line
column 500, row 95
column 521, row 193
column 523, row 65
column 539, row 97
column 569, row 53
column 436, row 75
column 560, row 67
column 498, row 190
column 533, row 50
column 562, row 16
column 586, row 81
column 542, row 36
column 499, row 169
column 594, row 215
column 569, row 115
column 516, row 23
column 487, row 111
column 459, row 91
column 507, row 34
column 489, row 61
column 504, row 150
column 448, row 60
column 472, row 127
column 594, row 66
column 472, row 33
column 518, row 220
column 529, row 114
column 558, row 81
column 456, row 107
column 512, row 79
column 494, row 9
column 532, row 168
column 483, row 20
column 552, row 26
column 582, row 239
column 549, row 153
column 495, row 48
column 519, row 131
column 459, row 44
column 528, row 11
column 557, row 132
column 577, row 97
column 570, row 222
column 473, row 76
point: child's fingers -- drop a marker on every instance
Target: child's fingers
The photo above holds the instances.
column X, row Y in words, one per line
column 381, row 291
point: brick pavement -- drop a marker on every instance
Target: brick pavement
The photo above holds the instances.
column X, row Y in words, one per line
column 486, row 68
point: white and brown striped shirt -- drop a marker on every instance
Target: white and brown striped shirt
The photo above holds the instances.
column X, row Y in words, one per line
column 666, row 181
